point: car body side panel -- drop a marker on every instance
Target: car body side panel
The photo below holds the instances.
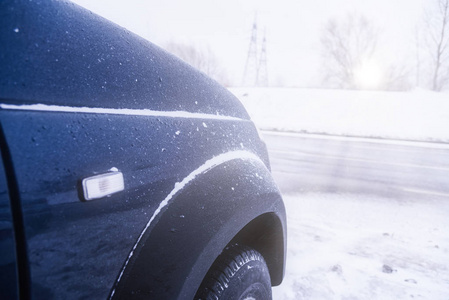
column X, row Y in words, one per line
column 53, row 151
column 195, row 226
column 80, row 96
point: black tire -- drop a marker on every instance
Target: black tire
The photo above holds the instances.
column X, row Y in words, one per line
column 239, row 273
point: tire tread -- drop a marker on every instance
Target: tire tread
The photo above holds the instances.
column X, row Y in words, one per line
column 224, row 269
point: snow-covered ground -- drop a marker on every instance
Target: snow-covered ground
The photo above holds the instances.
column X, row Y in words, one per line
column 365, row 247
column 348, row 246
column 415, row 115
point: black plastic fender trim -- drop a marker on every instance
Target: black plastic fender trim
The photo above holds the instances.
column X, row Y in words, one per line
column 23, row 271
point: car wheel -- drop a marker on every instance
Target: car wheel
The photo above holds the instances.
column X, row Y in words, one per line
column 240, row 273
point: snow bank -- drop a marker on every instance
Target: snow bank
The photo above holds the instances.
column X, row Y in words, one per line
column 416, row 115
column 366, row 247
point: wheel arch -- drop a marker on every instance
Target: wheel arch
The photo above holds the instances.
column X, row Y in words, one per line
column 225, row 204
column 266, row 235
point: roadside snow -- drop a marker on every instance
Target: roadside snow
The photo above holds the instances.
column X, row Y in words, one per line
column 366, row 247
column 417, row 115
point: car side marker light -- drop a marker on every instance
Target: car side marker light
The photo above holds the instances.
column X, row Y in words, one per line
column 102, row 185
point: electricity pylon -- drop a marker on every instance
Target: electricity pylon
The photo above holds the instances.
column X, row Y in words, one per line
column 262, row 72
column 256, row 73
column 250, row 77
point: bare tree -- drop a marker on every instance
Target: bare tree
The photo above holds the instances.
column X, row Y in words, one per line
column 396, row 78
column 203, row 60
column 346, row 45
column 437, row 40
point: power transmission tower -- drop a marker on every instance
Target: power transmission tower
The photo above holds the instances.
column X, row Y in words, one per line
column 250, row 77
column 256, row 73
column 262, row 71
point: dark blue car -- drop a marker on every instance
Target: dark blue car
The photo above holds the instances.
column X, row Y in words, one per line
column 125, row 173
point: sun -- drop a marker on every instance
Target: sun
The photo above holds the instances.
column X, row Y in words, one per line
column 368, row 75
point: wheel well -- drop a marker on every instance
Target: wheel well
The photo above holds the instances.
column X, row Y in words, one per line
column 265, row 234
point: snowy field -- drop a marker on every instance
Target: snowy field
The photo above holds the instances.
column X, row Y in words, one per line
column 363, row 247
column 415, row 115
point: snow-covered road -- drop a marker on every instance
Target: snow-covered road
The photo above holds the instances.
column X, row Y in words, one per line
column 306, row 163
column 366, row 219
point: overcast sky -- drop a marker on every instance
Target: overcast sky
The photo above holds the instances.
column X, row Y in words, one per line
column 293, row 29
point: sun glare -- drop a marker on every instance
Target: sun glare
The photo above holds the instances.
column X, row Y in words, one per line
column 369, row 75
